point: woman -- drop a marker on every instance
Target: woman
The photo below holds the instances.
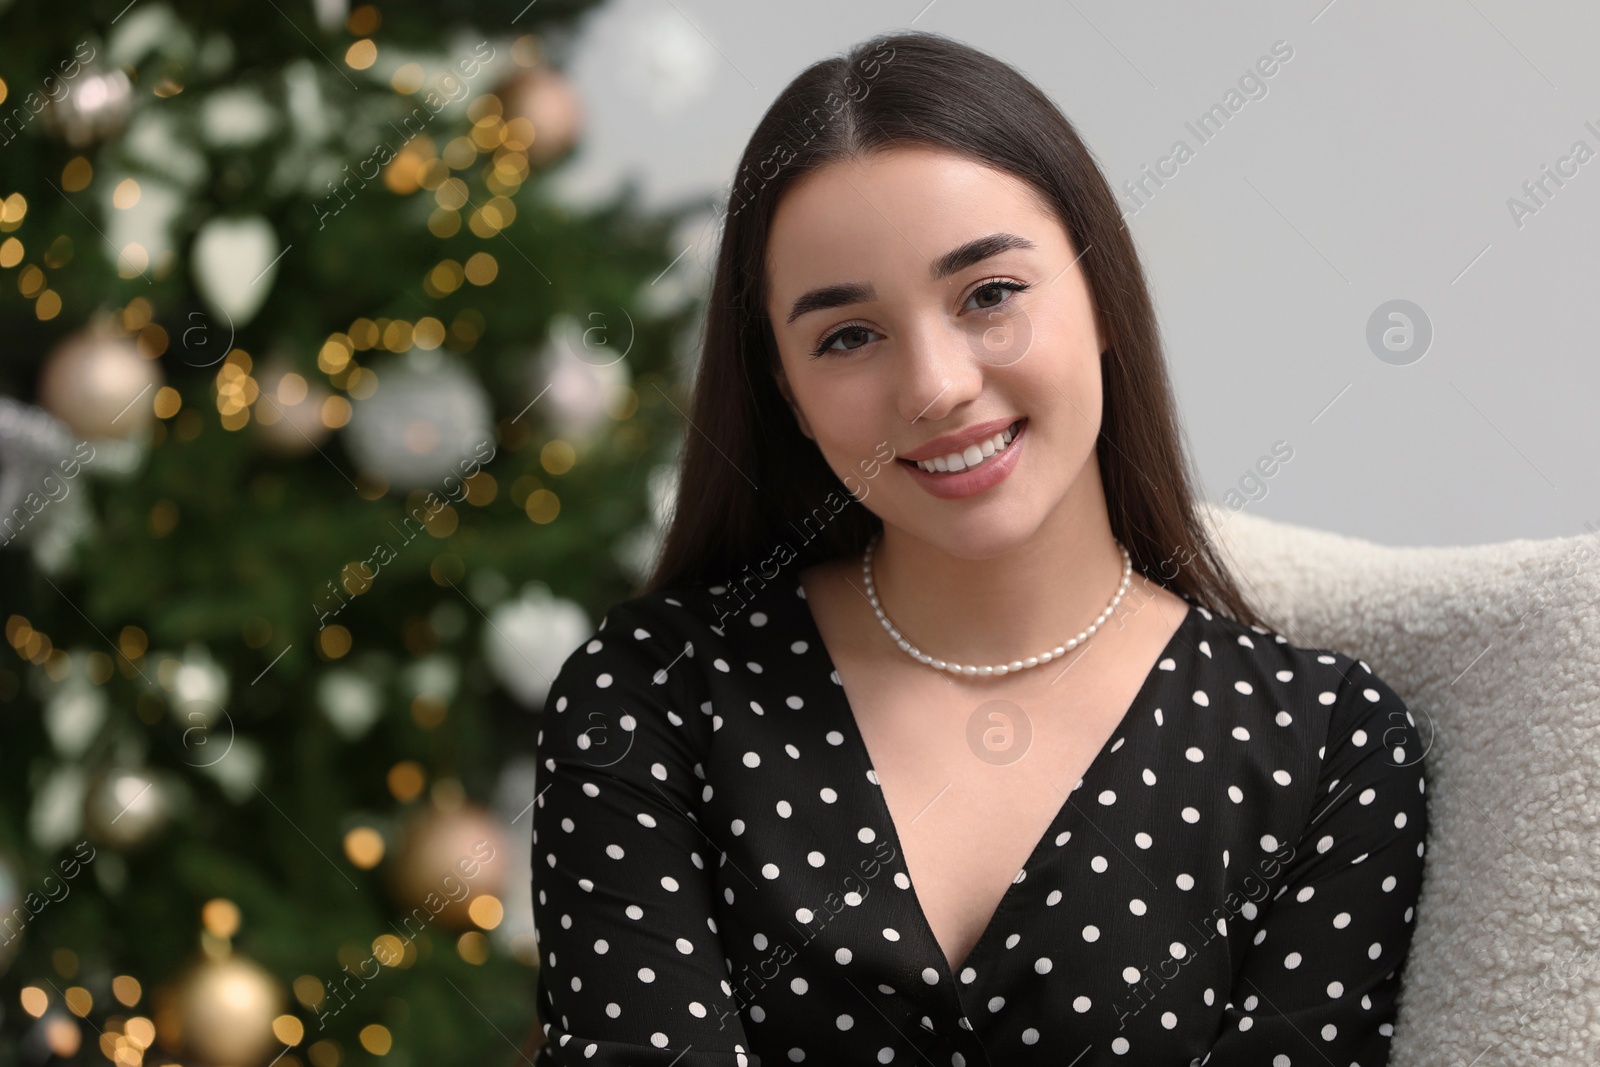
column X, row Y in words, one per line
column 835, row 788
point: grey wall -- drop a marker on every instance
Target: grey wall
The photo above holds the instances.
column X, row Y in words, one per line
column 1380, row 164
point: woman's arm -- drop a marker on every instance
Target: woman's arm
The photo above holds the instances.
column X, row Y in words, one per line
column 632, row 969
column 1319, row 981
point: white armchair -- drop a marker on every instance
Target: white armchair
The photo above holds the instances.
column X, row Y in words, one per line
column 1496, row 650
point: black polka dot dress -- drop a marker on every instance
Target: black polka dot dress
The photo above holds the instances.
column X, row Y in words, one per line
column 717, row 879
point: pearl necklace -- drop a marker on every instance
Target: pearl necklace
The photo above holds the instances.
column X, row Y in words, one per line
column 1001, row 668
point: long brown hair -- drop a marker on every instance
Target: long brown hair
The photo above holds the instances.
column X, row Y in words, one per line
column 753, row 490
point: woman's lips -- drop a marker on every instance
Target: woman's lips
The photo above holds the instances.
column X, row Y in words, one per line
column 974, row 480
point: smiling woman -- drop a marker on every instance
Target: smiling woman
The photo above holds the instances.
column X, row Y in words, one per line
column 1182, row 812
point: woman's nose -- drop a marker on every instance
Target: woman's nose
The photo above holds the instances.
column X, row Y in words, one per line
column 939, row 371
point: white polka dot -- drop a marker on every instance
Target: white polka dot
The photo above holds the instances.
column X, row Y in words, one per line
column 646, row 974
column 1292, row 960
column 1091, row 933
column 1080, row 1004
column 1193, row 755
column 1042, row 965
column 1341, row 920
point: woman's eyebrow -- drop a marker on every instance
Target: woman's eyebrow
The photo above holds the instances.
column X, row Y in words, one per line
column 959, row 258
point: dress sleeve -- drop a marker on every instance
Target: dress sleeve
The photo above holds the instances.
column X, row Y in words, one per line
column 1320, row 979
column 632, row 969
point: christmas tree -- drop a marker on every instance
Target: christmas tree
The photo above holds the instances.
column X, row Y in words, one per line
column 326, row 434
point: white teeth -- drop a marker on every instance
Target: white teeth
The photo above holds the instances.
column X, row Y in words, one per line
column 972, row 455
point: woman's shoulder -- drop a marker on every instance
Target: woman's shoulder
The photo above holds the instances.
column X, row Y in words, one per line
column 1302, row 676
column 707, row 609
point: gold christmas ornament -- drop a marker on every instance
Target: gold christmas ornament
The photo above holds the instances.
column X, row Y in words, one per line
column 97, row 383
column 447, row 861
column 545, row 99
column 220, row 1012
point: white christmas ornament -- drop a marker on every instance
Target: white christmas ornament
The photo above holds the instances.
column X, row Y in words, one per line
column 235, row 261
column 529, row 638
column 513, row 802
column 96, row 104
column 236, row 116
column 57, row 813
column 200, row 679
column 429, row 420
column 350, row 700
column 74, row 714
column 126, row 807
column 238, row 771
column 583, row 375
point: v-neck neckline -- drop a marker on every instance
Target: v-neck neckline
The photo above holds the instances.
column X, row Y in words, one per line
column 858, row 745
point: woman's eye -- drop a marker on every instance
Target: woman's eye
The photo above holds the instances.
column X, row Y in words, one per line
column 994, row 289
column 853, row 333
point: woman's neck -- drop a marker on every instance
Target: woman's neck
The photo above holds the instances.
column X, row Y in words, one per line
column 1009, row 607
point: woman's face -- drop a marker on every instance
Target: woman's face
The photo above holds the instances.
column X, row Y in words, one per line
column 916, row 344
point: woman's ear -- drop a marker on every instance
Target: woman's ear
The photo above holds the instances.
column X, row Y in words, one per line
column 794, row 405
